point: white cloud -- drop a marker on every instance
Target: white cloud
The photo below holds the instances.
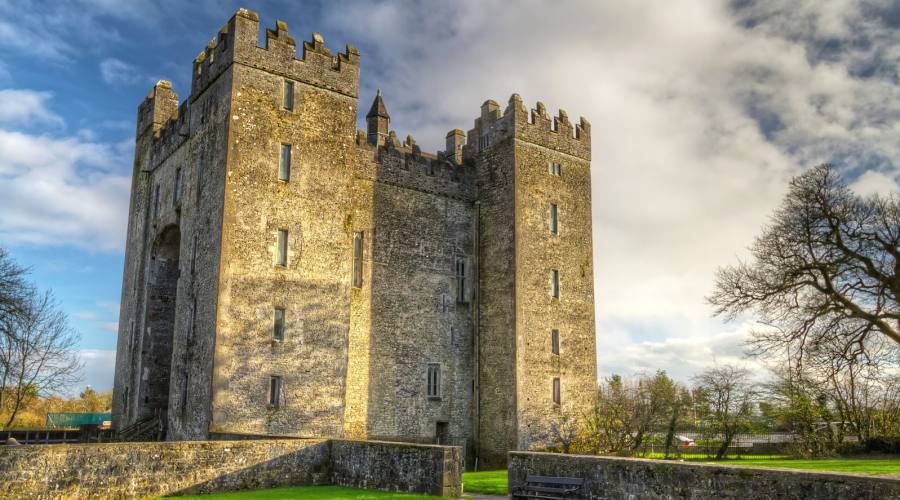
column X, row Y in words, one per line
column 24, row 107
column 62, row 191
column 116, row 72
column 875, row 182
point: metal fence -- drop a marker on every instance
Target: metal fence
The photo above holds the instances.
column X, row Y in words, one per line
column 701, row 445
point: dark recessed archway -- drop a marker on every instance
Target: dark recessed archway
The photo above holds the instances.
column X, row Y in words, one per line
column 156, row 350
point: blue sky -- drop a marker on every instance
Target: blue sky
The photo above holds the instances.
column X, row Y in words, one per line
column 701, row 111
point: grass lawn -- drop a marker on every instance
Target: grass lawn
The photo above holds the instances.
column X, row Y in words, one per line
column 489, row 482
column 858, row 465
column 311, row 493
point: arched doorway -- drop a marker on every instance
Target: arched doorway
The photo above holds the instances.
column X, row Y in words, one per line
column 156, row 350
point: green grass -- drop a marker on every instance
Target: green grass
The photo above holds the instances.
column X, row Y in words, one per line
column 857, row 465
column 879, row 466
column 310, row 493
column 489, row 482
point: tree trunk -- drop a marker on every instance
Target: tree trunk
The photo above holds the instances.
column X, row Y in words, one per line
column 725, row 444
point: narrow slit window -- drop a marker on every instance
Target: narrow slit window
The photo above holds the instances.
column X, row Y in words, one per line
column 554, row 341
column 287, row 101
column 357, row 259
column 554, row 219
column 554, row 283
column 177, row 197
column 199, row 179
column 556, row 395
column 282, row 247
column 461, row 280
column 434, row 381
column 284, row 164
column 275, row 388
column 278, row 330
column 193, row 324
column 156, row 201
column 194, row 255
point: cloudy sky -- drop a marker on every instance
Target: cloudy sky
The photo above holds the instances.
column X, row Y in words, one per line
column 701, row 111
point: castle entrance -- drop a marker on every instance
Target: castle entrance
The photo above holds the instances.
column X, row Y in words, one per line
column 156, row 348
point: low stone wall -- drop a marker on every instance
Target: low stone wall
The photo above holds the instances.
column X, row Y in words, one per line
column 125, row 470
column 614, row 478
column 402, row 467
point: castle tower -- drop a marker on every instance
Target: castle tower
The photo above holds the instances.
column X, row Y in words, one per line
column 536, row 340
column 235, row 300
column 378, row 121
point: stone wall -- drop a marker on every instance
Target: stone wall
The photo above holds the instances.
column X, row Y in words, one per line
column 612, row 477
column 434, row 470
column 126, row 470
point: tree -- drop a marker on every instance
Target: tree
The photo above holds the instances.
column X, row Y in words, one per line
column 801, row 405
column 38, row 350
column 730, row 395
column 629, row 411
column 824, row 272
column 13, row 287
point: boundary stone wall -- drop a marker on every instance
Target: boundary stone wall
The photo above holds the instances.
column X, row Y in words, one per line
column 613, row 477
column 431, row 469
column 126, row 470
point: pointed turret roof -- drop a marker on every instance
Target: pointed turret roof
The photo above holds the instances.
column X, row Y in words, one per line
column 378, row 108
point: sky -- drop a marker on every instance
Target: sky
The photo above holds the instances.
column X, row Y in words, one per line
column 701, row 112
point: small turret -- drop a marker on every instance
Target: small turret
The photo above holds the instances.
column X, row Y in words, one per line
column 456, row 139
column 378, row 121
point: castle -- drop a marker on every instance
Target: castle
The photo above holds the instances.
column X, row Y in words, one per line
column 286, row 274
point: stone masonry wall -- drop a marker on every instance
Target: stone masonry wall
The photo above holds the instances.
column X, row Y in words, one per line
column 538, row 251
column 615, row 478
column 126, row 470
column 434, row 470
column 314, row 207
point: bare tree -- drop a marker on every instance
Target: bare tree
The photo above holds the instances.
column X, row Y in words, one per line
column 730, row 395
column 39, row 354
column 13, row 287
column 564, row 432
column 824, row 272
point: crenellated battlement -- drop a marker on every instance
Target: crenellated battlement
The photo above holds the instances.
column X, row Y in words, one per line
column 404, row 163
column 536, row 126
column 159, row 107
column 237, row 42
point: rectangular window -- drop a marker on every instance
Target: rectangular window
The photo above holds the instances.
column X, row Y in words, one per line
column 554, row 221
column 284, row 165
column 554, row 283
column 275, row 388
column 554, row 168
column 177, row 197
column 484, row 141
column 278, row 331
column 282, row 247
column 434, row 381
column 556, row 395
column 554, row 341
column 287, row 98
column 461, row 280
column 156, row 201
column 357, row 259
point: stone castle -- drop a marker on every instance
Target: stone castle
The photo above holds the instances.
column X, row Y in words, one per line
column 286, row 274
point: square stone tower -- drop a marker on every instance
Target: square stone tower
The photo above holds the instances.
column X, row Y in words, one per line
column 287, row 274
